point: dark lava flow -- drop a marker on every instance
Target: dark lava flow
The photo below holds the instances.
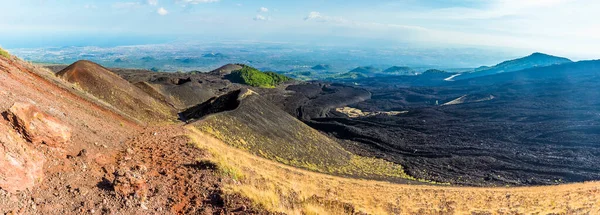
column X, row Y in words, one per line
column 542, row 127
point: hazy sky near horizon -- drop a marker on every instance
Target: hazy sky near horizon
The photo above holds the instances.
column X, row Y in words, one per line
column 561, row 27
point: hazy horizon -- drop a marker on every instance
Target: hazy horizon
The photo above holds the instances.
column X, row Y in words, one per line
column 514, row 26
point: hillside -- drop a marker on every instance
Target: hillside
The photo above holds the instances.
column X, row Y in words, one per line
column 536, row 126
column 284, row 189
column 531, row 61
column 116, row 91
column 247, row 121
column 256, row 78
column 108, row 163
column 321, row 67
column 430, row 77
column 113, row 165
column 180, row 90
column 399, row 70
column 226, row 69
column 566, row 71
column 366, row 70
column 349, row 76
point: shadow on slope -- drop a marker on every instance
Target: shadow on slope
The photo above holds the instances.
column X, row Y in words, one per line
column 181, row 90
column 245, row 120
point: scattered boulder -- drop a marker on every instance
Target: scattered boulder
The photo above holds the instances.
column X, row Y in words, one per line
column 20, row 165
column 37, row 126
column 130, row 183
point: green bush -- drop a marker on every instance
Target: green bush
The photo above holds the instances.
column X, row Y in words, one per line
column 4, row 53
column 254, row 77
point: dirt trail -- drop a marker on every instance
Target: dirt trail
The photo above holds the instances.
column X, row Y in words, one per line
column 112, row 165
column 176, row 178
column 115, row 166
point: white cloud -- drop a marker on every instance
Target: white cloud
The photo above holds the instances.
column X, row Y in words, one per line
column 153, row 2
column 561, row 27
column 313, row 15
column 196, row 1
column 259, row 17
column 162, row 11
column 318, row 17
column 494, row 9
column 340, row 21
column 263, row 10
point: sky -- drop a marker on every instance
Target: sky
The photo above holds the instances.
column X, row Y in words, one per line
column 561, row 27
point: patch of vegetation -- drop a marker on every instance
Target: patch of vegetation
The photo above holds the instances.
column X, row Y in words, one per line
column 280, row 188
column 215, row 160
column 316, row 153
column 254, row 77
column 4, row 53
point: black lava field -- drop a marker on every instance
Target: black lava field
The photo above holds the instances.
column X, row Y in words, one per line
column 535, row 127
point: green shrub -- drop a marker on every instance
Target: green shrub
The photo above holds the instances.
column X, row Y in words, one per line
column 254, row 77
column 4, row 53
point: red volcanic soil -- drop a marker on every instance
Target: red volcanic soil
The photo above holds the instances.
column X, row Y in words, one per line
column 111, row 164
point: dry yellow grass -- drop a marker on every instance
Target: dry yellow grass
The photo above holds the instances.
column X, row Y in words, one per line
column 280, row 188
column 4, row 53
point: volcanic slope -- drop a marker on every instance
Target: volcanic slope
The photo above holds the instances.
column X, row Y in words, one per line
column 113, row 166
column 181, row 90
column 530, row 127
column 109, row 165
column 247, row 121
column 226, row 69
column 116, row 91
column 531, row 61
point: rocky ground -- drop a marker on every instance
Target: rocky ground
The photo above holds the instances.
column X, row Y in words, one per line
column 540, row 127
column 523, row 128
column 64, row 152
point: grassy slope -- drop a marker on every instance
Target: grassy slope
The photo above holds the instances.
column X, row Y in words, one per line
column 4, row 53
column 265, row 130
column 280, row 188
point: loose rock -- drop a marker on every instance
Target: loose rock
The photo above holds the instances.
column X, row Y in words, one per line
column 20, row 164
column 37, row 126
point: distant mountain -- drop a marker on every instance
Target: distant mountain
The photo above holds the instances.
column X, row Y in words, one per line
column 147, row 59
column 531, row 61
column 366, row 70
column 321, row 67
column 121, row 60
column 399, row 70
column 567, row 72
column 349, row 76
column 186, row 60
column 432, row 77
column 434, row 71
